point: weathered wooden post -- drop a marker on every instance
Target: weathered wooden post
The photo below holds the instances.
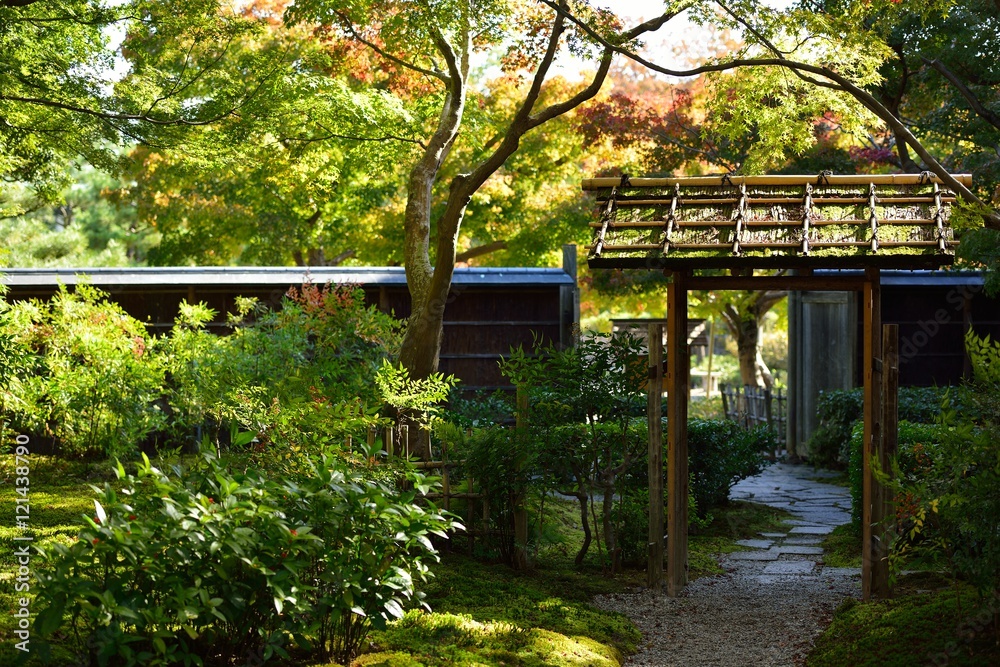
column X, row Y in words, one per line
column 677, row 453
column 654, row 572
column 871, row 505
column 520, row 512
column 890, row 436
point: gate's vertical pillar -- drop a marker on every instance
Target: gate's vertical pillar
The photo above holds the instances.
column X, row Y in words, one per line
column 883, row 531
column 654, row 387
column 871, row 503
column 677, row 452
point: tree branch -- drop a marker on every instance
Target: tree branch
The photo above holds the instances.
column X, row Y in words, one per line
column 766, row 300
column 107, row 115
column 337, row 259
column 349, row 26
column 731, row 317
column 480, row 250
column 419, row 273
column 970, row 97
column 834, row 81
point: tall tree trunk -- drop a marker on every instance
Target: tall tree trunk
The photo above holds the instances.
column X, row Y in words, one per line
column 753, row 370
column 430, row 286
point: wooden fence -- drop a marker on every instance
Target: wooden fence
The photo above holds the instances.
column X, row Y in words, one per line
column 756, row 406
column 396, row 442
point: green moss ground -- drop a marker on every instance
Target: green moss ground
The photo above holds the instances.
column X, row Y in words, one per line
column 925, row 625
column 842, row 547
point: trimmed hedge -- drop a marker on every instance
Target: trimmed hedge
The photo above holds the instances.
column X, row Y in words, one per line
column 916, row 443
column 838, row 410
column 720, row 454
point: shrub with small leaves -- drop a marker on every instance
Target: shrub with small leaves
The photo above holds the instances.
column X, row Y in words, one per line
column 87, row 375
column 839, row 410
column 204, row 566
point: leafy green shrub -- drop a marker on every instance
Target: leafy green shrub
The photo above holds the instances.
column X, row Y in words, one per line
column 839, row 410
column 280, row 372
column 592, row 388
column 206, row 566
column 480, row 409
column 88, row 374
column 633, row 519
column 720, row 453
column 504, row 467
column 955, row 504
column 916, row 450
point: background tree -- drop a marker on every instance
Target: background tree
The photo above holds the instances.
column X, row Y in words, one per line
column 798, row 64
column 82, row 78
column 438, row 43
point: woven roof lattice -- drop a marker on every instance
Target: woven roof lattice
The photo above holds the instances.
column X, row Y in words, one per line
column 825, row 221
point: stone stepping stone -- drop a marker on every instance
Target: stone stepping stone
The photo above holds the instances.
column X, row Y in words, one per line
column 790, row 567
column 803, row 540
column 800, row 550
column 772, row 535
column 756, row 544
column 811, row 530
column 770, row 554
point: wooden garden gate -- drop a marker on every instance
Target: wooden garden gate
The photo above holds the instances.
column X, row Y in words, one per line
column 789, row 226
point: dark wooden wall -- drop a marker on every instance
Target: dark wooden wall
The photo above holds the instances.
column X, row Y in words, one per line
column 932, row 323
column 482, row 325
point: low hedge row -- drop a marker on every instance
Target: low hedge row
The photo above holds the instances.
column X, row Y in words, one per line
column 838, row 410
column 917, row 443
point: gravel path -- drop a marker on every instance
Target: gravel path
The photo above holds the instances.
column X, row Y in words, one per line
column 774, row 598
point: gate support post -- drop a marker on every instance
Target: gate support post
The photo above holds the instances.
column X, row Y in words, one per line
column 654, row 568
column 883, row 531
column 520, row 511
column 872, row 507
column 677, row 450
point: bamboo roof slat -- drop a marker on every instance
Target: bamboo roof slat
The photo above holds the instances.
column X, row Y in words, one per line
column 774, row 179
column 763, row 201
column 790, row 224
column 773, row 221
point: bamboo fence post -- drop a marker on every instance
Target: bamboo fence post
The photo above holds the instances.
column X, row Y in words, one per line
column 470, row 511
column 520, row 512
column 388, row 440
column 890, row 438
column 445, row 477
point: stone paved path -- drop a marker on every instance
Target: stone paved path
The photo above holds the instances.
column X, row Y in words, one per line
column 773, row 600
column 818, row 509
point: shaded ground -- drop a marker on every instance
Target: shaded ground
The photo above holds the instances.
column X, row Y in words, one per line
column 773, row 600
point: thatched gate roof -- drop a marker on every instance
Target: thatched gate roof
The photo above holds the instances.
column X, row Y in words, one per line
column 828, row 221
